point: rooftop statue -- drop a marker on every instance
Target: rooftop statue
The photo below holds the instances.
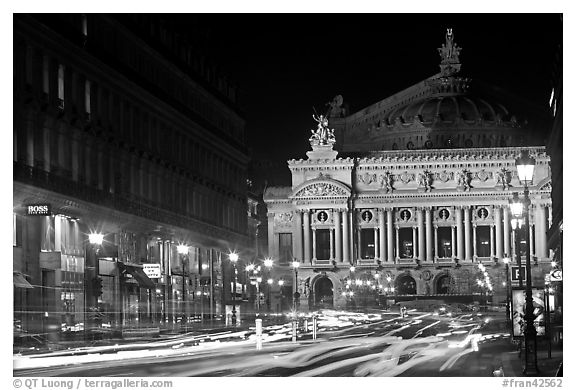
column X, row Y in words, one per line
column 449, row 54
column 322, row 135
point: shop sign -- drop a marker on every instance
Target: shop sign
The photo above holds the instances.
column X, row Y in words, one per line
column 556, row 275
column 152, row 270
column 38, row 209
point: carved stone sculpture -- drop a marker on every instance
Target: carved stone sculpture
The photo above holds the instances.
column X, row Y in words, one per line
column 503, row 178
column 323, row 135
column 386, row 182
column 425, row 180
column 463, row 179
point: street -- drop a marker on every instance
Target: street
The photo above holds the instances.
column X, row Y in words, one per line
column 348, row 344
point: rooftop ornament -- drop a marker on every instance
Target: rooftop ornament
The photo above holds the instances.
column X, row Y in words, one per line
column 449, row 54
column 323, row 135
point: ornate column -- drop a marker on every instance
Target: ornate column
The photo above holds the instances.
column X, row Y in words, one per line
column 397, row 243
column 507, row 248
column 474, row 243
column 453, row 241
column 338, row 234
column 429, row 254
column 382, row 231
column 467, row 247
column 540, row 221
column 499, row 236
column 314, row 258
column 460, row 234
column 331, row 244
column 532, row 238
column 307, row 244
column 414, row 244
column 298, row 244
column 346, row 238
column 436, row 240
column 358, row 254
column 492, row 246
column 376, row 243
column 390, row 231
column 273, row 245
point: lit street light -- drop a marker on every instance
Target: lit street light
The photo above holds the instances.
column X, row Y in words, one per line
column 183, row 253
column 296, row 294
column 268, row 263
column 506, row 261
column 233, row 257
column 92, row 282
column 525, row 167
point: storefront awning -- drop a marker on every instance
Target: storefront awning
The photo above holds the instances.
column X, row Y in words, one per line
column 20, row 280
column 138, row 274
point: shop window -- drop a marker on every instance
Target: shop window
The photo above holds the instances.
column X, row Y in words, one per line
column 367, row 244
column 322, row 244
column 285, row 248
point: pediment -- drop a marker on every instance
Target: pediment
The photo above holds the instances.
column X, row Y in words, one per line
column 321, row 188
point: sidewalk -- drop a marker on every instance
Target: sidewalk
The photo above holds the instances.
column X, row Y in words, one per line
column 512, row 363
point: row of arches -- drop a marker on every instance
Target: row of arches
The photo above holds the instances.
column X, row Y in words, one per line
column 322, row 289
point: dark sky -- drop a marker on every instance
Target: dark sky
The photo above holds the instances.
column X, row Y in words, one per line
column 285, row 64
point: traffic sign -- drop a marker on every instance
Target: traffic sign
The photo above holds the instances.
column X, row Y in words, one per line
column 518, row 272
column 556, row 275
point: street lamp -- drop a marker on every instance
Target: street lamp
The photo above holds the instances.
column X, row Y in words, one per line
column 506, row 261
column 517, row 210
column 296, row 294
column 525, row 167
column 268, row 263
column 233, row 257
column 258, row 281
column 183, row 252
column 92, row 283
column 281, row 284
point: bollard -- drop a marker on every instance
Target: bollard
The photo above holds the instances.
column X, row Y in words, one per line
column 258, row 333
column 305, row 325
column 314, row 327
column 294, row 330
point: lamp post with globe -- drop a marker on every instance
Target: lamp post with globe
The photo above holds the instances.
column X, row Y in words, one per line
column 525, row 166
column 233, row 257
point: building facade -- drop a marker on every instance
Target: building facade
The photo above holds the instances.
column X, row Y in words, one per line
column 418, row 206
column 121, row 128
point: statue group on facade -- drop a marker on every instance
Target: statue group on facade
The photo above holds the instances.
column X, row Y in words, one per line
column 386, row 181
column 463, row 180
column 503, row 178
column 425, row 180
column 323, row 135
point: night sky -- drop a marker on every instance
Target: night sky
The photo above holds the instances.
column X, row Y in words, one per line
column 286, row 64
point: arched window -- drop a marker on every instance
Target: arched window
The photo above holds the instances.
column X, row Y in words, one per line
column 405, row 285
column 443, row 284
